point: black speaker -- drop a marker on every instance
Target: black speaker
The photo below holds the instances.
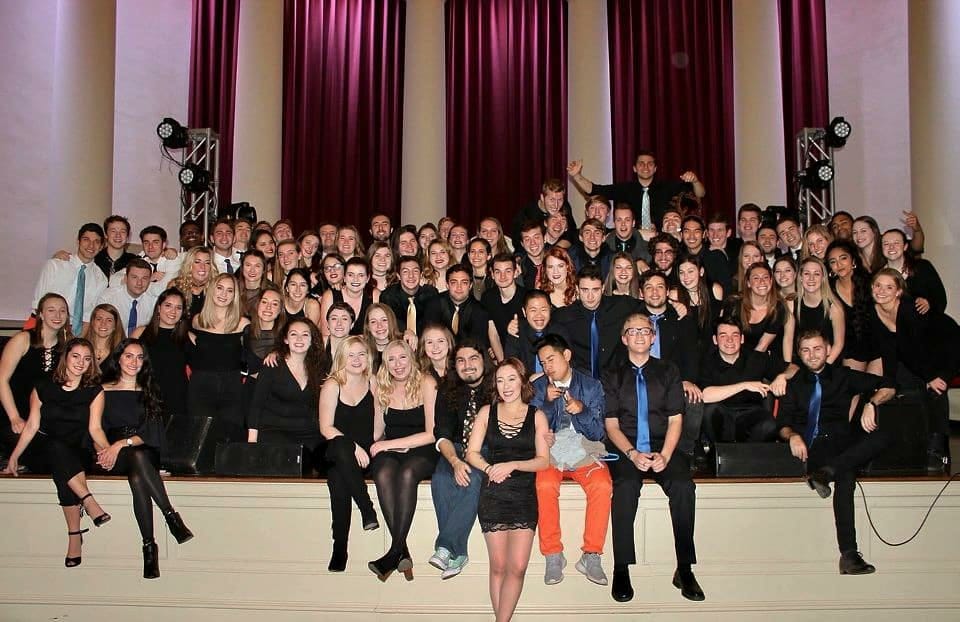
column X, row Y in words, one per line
column 189, row 448
column 905, row 417
column 757, row 460
column 260, row 459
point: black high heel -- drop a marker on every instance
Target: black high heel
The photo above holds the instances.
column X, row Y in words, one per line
column 177, row 528
column 97, row 520
column 73, row 562
column 385, row 566
column 151, row 561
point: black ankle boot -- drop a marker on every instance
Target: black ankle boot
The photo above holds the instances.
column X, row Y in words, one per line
column 151, row 561
column 338, row 560
column 177, row 529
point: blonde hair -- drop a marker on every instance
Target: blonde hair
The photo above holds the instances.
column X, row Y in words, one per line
column 827, row 299
column 338, row 370
column 184, row 280
column 411, row 387
column 207, row 317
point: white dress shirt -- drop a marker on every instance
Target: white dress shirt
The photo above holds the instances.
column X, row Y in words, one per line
column 60, row 277
column 121, row 300
column 221, row 262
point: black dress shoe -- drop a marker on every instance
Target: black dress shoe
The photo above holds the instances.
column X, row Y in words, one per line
column 684, row 581
column 820, row 480
column 852, row 562
column 338, row 561
column 622, row 590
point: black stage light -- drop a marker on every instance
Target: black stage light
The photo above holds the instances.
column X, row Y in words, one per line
column 194, row 178
column 817, row 176
column 173, row 135
column 838, row 132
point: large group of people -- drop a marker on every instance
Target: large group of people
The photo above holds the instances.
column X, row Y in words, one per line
column 495, row 365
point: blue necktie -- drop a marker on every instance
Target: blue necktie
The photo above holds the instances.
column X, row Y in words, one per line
column 229, row 267
column 643, row 415
column 594, row 347
column 132, row 318
column 77, row 310
column 537, row 367
column 655, row 348
column 813, row 412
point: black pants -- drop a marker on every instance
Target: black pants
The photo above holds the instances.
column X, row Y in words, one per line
column 676, row 483
column 218, row 394
column 846, row 454
column 345, row 479
column 734, row 424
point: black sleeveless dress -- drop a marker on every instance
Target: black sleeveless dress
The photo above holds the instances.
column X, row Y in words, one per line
column 810, row 318
column 356, row 422
column 406, row 422
column 511, row 504
column 36, row 365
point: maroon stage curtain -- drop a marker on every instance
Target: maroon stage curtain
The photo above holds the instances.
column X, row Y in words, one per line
column 342, row 110
column 506, row 69
column 213, row 78
column 671, row 91
column 803, row 70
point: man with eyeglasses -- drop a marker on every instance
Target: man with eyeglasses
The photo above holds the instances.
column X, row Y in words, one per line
column 644, row 418
column 647, row 196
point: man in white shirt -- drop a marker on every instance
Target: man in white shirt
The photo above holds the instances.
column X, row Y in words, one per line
column 224, row 255
column 133, row 301
column 77, row 279
column 163, row 260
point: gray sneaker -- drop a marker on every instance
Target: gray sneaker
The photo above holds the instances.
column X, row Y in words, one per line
column 440, row 559
column 589, row 566
column 555, row 565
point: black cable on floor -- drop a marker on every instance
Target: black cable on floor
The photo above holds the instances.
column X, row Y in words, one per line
column 922, row 523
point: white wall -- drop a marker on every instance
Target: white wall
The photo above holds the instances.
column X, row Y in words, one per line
column 152, row 82
column 869, row 86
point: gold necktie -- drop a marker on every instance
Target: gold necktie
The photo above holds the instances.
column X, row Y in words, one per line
column 455, row 321
column 411, row 316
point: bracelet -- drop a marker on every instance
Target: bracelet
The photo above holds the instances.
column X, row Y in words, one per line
column 629, row 450
column 487, row 468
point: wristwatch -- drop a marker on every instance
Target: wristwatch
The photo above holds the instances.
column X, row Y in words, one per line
column 129, row 442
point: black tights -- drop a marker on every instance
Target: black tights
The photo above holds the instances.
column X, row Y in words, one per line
column 397, row 477
column 139, row 464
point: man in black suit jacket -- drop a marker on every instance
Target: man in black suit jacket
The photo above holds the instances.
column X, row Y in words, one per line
column 608, row 312
column 459, row 310
column 398, row 295
column 676, row 337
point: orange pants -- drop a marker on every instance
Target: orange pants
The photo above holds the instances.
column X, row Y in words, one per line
column 597, row 484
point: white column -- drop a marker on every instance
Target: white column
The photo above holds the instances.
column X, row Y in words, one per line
column 81, row 172
column 934, row 48
column 589, row 132
column 758, row 104
column 424, row 180
column 258, row 117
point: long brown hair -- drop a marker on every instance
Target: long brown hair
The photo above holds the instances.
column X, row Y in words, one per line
column 90, row 377
column 36, row 333
column 570, row 291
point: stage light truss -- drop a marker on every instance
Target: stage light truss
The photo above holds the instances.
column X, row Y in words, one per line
column 200, row 204
column 815, row 194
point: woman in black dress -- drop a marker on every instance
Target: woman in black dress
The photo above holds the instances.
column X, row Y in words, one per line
column 296, row 300
column 354, row 292
column 128, row 438
column 923, row 282
column 404, row 456
column 284, row 408
column 196, row 271
column 514, row 433
column 165, row 340
column 816, row 308
column 29, row 357
column 851, row 286
column 350, row 419
column 60, row 408
column 216, row 361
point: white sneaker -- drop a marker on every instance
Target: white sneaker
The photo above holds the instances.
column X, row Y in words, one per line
column 454, row 567
column 556, row 562
column 440, row 559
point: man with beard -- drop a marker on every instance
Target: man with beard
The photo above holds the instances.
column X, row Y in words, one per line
column 455, row 485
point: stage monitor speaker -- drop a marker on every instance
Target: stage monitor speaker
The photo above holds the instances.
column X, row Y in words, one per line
column 757, row 460
column 906, row 415
column 189, row 449
column 260, row 459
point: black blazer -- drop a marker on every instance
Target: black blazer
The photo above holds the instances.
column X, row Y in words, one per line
column 575, row 321
column 474, row 319
column 678, row 342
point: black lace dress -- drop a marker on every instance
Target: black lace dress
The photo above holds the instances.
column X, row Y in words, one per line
column 511, row 504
